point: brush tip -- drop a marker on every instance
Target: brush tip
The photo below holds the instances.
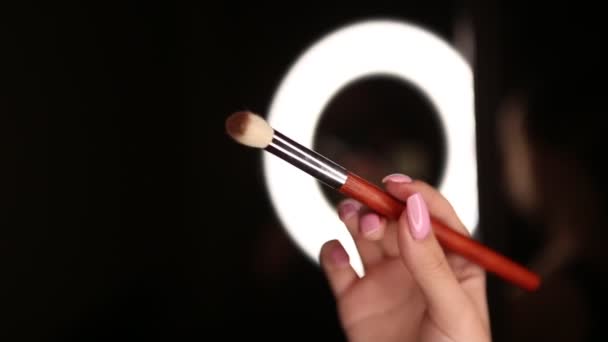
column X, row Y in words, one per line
column 249, row 129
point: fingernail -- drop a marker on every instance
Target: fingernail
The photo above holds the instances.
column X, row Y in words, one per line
column 418, row 217
column 369, row 223
column 347, row 209
column 339, row 255
column 397, row 178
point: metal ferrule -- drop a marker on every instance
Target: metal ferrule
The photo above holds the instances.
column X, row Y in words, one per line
column 308, row 161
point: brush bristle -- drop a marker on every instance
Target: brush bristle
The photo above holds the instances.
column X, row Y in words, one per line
column 249, row 129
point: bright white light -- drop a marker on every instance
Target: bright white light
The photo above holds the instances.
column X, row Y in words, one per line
column 391, row 48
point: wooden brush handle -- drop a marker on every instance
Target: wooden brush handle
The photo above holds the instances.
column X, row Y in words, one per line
column 384, row 204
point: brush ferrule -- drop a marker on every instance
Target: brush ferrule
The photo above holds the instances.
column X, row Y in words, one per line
column 311, row 162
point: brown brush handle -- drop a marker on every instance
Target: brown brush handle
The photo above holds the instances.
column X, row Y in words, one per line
column 383, row 203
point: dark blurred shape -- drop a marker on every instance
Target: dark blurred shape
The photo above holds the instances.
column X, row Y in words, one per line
column 380, row 125
column 550, row 59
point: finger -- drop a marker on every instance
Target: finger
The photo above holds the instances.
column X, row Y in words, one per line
column 350, row 212
column 389, row 242
column 438, row 205
column 427, row 263
column 336, row 265
column 360, row 221
column 471, row 276
column 371, row 225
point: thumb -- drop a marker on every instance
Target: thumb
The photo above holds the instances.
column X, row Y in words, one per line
column 426, row 261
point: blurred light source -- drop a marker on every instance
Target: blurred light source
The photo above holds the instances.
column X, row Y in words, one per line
column 379, row 47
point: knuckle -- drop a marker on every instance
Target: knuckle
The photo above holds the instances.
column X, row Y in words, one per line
column 435, row 264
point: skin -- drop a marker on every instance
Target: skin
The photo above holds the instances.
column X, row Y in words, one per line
column 412, row 289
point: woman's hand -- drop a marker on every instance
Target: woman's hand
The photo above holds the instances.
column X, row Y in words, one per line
column 412, row 290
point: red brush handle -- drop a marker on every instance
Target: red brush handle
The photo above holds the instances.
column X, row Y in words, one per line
column 386, row 205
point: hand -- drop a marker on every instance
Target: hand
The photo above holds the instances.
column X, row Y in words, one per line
column 412, row 290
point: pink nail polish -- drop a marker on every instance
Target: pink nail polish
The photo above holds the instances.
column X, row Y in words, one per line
column 418, row 217
column 339, row 255
column 369, row 223
column 397, row 178
column 347, row 209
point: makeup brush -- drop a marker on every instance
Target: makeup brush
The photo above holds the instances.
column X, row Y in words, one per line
column 252, row 130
